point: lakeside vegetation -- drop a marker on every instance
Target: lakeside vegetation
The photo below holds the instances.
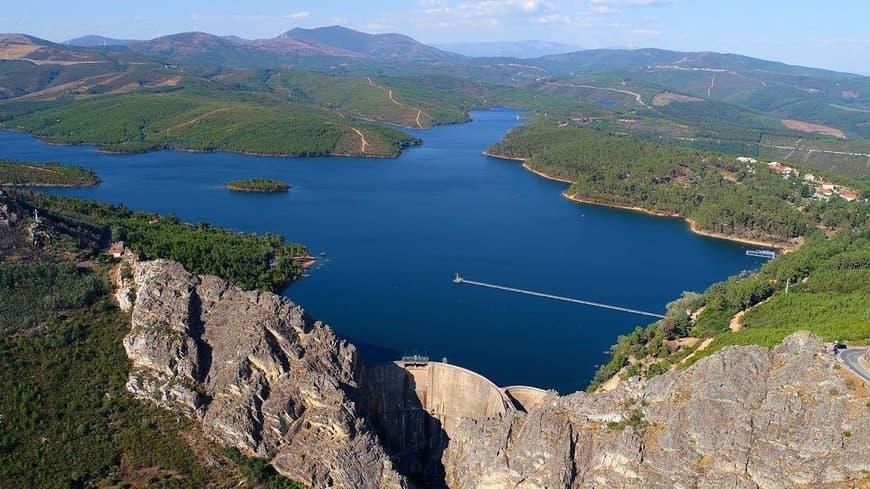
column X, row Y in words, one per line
column 21, row 173
column 264, row 262
column 258, row 185
column 823, row 287
column 716, row 192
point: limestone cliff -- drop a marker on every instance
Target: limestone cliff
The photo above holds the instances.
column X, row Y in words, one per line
column 263, row 377
column 256, row 371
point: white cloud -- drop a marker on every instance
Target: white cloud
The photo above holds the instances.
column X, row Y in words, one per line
column 492, row 12
column 299, row 15
column 451, row 14
column 630, row 3
column 647, row 33
column 554, row 19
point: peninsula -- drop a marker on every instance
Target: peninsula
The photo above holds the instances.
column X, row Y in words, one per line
column 719, row 195
column 21, row 174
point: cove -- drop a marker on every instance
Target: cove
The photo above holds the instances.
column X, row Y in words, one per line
column 396, row 230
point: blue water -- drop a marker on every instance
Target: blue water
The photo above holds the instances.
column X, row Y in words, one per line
column 396, row 230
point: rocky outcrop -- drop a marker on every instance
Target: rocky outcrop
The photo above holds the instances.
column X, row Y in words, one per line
column 256, row 371
column 261, row 376
column 746, row 417
column 7, row 217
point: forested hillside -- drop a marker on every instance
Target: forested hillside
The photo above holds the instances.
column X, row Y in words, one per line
column 823, row 287
column 716, row 192
column 84, row 229
column 204, row 120
column 67, row 417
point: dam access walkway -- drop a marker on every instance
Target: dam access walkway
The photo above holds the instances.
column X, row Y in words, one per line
column 460, row 280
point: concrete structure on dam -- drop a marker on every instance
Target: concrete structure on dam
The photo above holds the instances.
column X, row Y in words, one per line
column 526, row 398
column 417, row 404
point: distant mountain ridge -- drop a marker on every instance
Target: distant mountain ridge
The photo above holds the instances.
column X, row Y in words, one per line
column 93, row 41
column 337, row 41
column 508, row 49
column 742, row 86
column 288, row 48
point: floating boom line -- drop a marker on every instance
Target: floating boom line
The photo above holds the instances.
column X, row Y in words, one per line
column 461, row 280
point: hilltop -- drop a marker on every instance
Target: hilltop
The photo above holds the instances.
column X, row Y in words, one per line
column 94, row 41
column 390, row 47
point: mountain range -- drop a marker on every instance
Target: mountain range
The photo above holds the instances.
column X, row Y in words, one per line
column 508, row 49
column 712, row 94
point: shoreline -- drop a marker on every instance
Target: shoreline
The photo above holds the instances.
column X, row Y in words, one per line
column 544, row 175
column 53, row 185
column 693, row 227
column 180, row 149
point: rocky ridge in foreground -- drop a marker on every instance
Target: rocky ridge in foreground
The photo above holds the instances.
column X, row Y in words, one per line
column 746, row 417
column 255, row 371
column 261, row 376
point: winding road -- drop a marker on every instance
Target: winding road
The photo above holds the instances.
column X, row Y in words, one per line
column 849, row 358
column 393, row 100
column 636, row 95
column 363, row 144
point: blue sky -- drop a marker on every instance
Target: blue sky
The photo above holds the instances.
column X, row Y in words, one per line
column 832, row 34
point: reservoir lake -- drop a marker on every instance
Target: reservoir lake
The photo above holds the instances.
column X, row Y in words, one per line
column 396, row 230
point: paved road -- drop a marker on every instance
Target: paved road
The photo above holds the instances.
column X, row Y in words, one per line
column 849, row 357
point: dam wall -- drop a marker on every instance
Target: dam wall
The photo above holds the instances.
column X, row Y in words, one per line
column 418, row 405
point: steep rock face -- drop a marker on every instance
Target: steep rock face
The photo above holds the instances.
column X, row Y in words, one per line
column 256, row 371
column 263, row 377
column 746, row 418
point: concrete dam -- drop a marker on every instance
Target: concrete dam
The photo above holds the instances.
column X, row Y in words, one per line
column 417, row 404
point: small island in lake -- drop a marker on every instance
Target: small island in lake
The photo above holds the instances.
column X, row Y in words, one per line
column 258, row 185
column 20, row 173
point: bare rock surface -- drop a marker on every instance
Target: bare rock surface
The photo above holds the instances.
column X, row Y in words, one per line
column 261, row 376
column 256, row 371
column 746, row 417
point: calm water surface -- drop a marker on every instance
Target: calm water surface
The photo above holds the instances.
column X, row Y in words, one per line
column 396, row 230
